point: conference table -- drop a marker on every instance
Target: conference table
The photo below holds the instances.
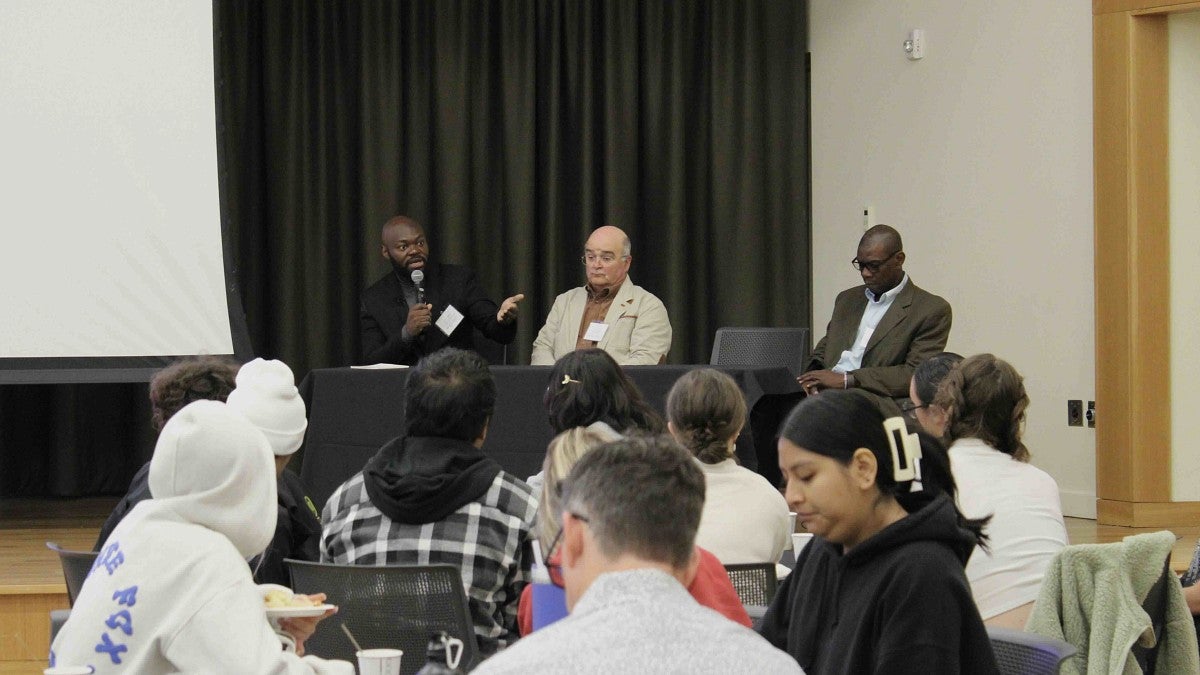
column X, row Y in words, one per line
column 352, row 412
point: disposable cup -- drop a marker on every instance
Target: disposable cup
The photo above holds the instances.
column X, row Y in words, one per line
column 791, row 521
column 799, row 541
column 379, row 661
column 549, row 601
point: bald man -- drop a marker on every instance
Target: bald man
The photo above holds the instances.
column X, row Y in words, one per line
column 880, row 331
column 402, row 323
column 608, row 312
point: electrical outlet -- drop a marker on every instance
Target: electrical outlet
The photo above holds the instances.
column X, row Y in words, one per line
column 1075, row 413
column 1091, row 414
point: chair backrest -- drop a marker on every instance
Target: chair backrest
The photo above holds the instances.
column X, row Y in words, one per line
column 755, row 347
column 75, row 566
column 755, row 583
column 1021, row 653
column 396, row 606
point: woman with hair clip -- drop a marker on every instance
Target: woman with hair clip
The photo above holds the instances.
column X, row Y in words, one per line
column 745, row 520
column 711, row 587
column 588, row 386
column 985, row 400
column 881, row 588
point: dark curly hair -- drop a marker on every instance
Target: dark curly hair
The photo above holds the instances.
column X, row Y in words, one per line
column 706, row 409
column 193, row 378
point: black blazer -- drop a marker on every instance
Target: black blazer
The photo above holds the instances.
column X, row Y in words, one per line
column 384, row 312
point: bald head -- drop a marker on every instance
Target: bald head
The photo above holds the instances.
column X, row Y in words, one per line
column 606, row 257
column 885, row 235
column 403, row 243
column 880, row 259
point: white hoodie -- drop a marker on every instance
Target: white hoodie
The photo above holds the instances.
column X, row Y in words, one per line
column 171, row 591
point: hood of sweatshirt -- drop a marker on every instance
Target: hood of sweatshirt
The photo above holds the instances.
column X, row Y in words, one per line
column 422, row 479
column 930, row 518
column 212, row 468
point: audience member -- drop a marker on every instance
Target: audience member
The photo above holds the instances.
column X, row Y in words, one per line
column 588, row 386
column 630, row 510
column 879, row 331
column 171, row 592
column 985, row 400
column 745, row 519
column 881, row 588
column 921, row 391
column 711, row 586
column 433, row 497
column 401, row 322
column 266, row 395
column 609, row 312
column 193, row 378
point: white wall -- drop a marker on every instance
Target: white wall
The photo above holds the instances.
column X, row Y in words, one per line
column 1184, row 128
column 981, row 155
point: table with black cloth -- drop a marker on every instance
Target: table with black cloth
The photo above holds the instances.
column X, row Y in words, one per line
column 352, row 412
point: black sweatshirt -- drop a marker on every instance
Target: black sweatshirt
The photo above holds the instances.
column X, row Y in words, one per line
column 897, row 603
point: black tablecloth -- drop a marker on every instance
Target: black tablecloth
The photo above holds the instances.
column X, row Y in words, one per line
column 352, row 412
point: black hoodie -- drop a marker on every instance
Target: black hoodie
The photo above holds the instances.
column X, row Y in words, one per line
column 899, row 602
column 423, row 479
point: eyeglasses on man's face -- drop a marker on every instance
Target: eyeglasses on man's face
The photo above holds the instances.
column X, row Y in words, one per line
column 872, row 265
column 555, row 568
column 602, row 258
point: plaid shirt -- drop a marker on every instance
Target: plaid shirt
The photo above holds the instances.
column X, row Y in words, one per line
column 488, row 540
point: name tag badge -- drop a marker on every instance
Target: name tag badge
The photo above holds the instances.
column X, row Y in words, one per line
column 595, row 331
column 449, row 320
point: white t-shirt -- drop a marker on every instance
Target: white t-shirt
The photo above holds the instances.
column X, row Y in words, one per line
column 745, row 520
column 1026, row 529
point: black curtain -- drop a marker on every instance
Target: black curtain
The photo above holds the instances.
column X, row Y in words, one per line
column 510, row 129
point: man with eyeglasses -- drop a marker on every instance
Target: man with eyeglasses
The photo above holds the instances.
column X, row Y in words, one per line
column 630, row 511
column 402, row 321
column 609, row 312
column 880, row 331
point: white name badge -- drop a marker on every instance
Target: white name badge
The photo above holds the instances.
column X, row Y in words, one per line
column 449, row 320
column 595, row 331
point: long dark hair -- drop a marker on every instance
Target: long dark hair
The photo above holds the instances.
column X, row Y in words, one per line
column 588, row 386
column 837, row 423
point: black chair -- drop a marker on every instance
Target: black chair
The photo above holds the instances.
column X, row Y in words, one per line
column 755, row 583
column 75, row 566
column 1021, row 653
column 755, row 347
column 396, row 606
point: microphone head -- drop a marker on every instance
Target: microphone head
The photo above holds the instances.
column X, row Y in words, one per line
column 417, row 277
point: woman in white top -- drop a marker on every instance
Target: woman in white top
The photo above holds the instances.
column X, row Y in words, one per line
column 985, row 400
column 745, row 520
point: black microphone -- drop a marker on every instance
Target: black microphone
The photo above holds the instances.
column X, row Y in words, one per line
column 418, row 278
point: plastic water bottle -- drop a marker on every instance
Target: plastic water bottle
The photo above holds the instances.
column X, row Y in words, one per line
column 442, row 655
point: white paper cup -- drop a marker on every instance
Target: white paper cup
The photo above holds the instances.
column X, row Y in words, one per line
column 799, row 541
column 338, row 668
column 791, row 521
column 379, row 662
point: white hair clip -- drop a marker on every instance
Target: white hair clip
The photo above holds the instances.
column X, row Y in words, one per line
column 568, row 379
column 906, row 465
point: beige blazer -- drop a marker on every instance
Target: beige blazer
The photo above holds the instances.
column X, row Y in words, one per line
column 639, row 331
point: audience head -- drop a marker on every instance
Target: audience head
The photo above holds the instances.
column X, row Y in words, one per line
column 880, row 259
column 562, row 454
column 193, row 378
column 923, row 388
column 404, row 244
column 835, row 452
column 215, row 469
column 606, row 257
column 266, row 396
column 705, row 412
column 984, row 398
column 450, row 394
column 635, row 502
column 588, row 386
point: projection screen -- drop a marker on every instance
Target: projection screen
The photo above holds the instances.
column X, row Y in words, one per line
column 113, row 256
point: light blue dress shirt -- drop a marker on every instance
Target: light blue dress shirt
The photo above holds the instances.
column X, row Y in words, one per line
column 851, row 359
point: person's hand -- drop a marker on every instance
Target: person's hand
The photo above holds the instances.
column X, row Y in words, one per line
column 508, row 309
column 420, row 317
column 302, row 628
column 815, row 380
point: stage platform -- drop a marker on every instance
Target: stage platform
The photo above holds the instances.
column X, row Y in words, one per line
column 31, row 582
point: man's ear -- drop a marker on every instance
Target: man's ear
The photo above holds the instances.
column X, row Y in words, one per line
column 900, row 258
column 383, row 250
column 483, row 433
column 863, row 468
column 574, row 541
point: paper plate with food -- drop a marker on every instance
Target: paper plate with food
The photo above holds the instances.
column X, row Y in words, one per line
column 282, row 603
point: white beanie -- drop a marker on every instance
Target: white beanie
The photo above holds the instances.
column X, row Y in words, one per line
column 266, row 395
